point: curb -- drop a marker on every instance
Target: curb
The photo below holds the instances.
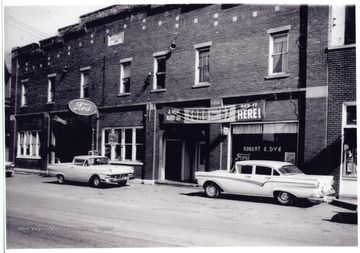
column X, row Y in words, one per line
column 344, row 203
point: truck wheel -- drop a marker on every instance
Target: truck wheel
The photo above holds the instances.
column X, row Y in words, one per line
column 283, row 198
column 211, row 190
column 95, row 181
column 60, row 179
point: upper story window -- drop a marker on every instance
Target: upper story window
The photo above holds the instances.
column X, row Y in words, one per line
column 125, row 72
column 51, row 88
column 24, row 90
column 202, row 64
column 279, row 50
column 342, row 26
column 159, row 71
column 85, row 82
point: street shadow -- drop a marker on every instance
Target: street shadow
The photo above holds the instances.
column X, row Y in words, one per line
column 303, row 203
column 82, row 184
column 345, row 218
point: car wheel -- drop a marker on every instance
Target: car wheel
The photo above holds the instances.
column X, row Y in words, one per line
column 60, row 179
column 95, row 181
column 283, row 198
column 211, row 190
column 122, row 183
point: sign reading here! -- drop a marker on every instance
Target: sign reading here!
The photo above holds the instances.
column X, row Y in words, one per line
column 82, row 107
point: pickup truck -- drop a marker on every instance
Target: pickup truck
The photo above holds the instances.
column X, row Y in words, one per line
column 91, row 169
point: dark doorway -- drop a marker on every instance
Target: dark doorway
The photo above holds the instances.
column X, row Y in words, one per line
column 173, row 160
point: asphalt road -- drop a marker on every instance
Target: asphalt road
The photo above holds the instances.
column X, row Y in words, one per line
column 43, row 214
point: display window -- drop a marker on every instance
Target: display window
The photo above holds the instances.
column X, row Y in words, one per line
column 349, row 155
column 268, row 141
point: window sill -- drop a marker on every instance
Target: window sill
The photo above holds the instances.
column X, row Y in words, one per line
column 201, row 85
column 124, row 94
column 331, row 48
column 157, row 90
column 29, row 157
column 113, row 162
column 277, row 76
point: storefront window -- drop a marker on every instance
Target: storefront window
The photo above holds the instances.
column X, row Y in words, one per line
column 123, row 144
column 350, row 146
column 270, row 141
column 28, row 144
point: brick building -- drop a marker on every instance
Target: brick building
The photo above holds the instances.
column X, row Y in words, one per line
column 182, row 88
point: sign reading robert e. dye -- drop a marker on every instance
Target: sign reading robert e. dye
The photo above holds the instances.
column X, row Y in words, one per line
column 82, row 107
column 253, row 111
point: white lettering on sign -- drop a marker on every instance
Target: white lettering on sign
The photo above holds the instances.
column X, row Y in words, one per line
column 253, row 113
column 81, row 106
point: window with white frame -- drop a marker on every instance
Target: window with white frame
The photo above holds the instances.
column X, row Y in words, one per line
column 24, row 90
column 125, row 72
column 28, row 144
column 123, row 144
column 85, row 82
column 51, row 88
column 202, row 63
column 342, row 25
column 159, row 71
column 279, row 53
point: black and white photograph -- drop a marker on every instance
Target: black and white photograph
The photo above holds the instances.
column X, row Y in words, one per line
column 157, row 126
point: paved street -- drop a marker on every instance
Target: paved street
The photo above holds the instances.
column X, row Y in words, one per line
column 44, row 214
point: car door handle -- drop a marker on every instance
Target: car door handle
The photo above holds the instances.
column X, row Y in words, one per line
column 267, row 177
column 247, row 176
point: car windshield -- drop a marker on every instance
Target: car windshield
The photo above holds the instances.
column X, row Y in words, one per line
column 290, row 170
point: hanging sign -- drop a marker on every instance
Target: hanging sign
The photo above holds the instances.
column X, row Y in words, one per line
column 82, row 107
column 253, row 111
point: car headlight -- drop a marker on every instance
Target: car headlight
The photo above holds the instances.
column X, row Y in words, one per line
column 109, row 172
column 12, row 165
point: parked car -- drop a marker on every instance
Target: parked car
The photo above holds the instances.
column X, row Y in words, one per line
column 9, row 169
column 92, row 169
column 281, row 180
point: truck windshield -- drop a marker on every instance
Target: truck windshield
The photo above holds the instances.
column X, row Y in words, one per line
column 290, row 170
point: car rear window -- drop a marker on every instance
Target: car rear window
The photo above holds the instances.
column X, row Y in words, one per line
column 261, row 170
column 246, row 169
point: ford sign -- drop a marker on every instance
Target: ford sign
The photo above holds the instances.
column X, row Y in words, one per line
column 82, row 107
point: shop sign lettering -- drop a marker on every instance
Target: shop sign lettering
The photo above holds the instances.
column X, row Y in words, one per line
column 253, row 111
column 262, row 149
column 82, row 107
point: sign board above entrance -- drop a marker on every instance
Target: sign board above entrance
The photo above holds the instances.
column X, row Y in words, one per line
column 253, row 111
column 82, row 107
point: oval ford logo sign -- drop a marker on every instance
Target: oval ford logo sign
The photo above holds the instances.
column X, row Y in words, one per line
column 82, row 107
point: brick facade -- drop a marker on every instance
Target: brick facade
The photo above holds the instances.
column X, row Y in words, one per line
column 238, row 36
